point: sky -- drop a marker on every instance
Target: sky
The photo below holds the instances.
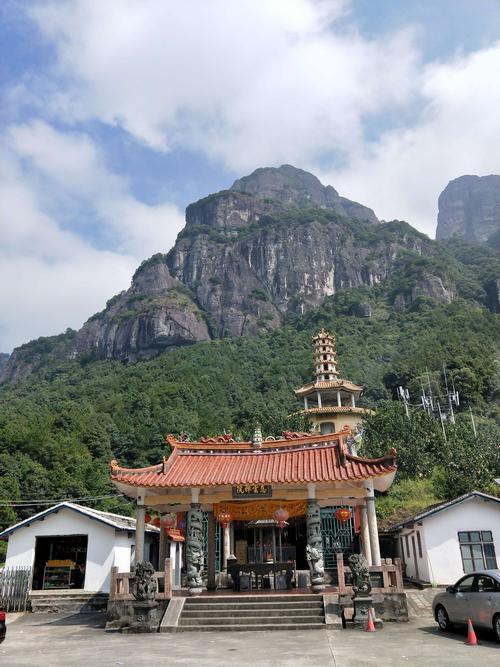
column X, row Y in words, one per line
column 116, row 114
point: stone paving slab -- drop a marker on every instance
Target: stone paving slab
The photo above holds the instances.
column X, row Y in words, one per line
column 420, row 601
column 59, row 640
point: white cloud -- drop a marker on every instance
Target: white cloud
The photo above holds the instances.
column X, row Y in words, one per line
column 457, row 132
column 53, row 275
column 249, row 83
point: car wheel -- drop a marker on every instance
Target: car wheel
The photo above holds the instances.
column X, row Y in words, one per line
column 443, row 619
column 496, row 626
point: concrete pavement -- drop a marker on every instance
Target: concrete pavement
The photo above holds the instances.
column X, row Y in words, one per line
column 72, row 641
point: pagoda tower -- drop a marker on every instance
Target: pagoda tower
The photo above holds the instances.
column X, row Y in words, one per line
column 330, row 401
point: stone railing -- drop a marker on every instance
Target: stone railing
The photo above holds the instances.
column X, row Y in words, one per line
column 120, row 583
column 388, row 576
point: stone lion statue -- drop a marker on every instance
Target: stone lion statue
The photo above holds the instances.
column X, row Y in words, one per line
column 144, row 588
column 360, row 573
column 316, row 565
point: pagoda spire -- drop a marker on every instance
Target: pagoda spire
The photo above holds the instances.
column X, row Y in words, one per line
column 325, row 356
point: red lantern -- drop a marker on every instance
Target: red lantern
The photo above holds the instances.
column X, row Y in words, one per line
column 224, row 518
column 281, row 516
column 168, row 522
column 156, row 521
column 343, row 514
column 147, row 518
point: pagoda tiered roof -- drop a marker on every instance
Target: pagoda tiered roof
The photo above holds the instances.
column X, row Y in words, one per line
column 323, row 385
column 295, row 459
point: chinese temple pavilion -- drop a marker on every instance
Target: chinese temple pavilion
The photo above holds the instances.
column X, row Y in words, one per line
column 234, row 495
column 330, row 401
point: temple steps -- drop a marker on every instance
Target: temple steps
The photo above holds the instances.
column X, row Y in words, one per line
column 66, row 601
column 250, row 612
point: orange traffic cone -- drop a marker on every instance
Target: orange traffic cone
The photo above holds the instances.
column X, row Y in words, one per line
column 370, row 626
column 471, row 635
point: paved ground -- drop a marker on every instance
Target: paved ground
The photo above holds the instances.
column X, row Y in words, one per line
column 72, row 641
column 420, row 601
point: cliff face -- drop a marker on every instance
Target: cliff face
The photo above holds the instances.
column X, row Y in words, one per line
column 156, row 313
column 277, row 242
column 469, row 207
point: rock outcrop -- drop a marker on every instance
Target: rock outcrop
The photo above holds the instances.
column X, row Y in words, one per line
column 277, row 242
column 469, row 207
column 156, row 313
column 291, row 186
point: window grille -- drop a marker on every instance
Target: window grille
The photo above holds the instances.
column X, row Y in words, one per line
column 477, row 550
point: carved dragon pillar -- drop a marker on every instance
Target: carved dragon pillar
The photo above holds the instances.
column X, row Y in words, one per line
column 314, row 549
column 194, row 549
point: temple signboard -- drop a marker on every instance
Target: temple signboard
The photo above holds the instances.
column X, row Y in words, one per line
column 252, row 491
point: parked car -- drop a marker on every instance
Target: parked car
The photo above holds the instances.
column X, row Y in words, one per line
column 3, row 628
column 476, row 596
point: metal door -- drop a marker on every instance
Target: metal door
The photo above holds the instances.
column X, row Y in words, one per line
column 337, row 537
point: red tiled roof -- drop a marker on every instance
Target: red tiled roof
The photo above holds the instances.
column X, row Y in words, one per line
column 323, row 462
column 175, row 535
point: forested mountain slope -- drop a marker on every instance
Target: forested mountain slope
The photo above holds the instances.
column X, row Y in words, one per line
column 400, row 305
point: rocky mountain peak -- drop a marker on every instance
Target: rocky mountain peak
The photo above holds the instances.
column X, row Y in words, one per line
column 286, row 184
column 292, row 186
column 469, row 207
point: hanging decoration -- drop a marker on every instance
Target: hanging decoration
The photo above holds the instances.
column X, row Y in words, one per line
column 260, row 509
column 147, row 518
column 281, row 515
column 168, row 522
column 343, row 514
column 224, row 518
column 156, row 521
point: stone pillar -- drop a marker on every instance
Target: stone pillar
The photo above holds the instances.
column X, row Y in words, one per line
column 306, row 407
column 164, row 549
column 194, row 545
column 227, row 545
column 140, row 525
column 365, row 536
column 339, row 399
column 211, row 586
column 319, row 399
column 314, row 549
column 353, row 401
column 372, row 525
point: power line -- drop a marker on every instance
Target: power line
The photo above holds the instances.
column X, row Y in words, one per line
column 31, row 502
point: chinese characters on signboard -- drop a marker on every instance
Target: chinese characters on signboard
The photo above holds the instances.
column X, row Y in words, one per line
column 252, row 491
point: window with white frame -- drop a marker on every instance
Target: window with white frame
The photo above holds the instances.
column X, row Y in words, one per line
column 477, row 550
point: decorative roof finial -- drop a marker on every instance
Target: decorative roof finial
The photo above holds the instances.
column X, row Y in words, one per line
column 257, row 437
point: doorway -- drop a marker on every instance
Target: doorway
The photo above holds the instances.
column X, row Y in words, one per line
column 60, row 562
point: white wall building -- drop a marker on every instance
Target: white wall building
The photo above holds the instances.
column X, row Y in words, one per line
column 71, row 546
column 440, row 544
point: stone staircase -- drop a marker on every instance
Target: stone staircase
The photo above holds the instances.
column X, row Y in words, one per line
column 78, row 602
column 250, row 612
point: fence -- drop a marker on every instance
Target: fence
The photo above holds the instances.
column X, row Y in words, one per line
column 14, row 588
column 385, row 578
column 120, row 583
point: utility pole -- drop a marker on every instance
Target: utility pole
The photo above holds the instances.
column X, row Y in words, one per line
column 442, row 422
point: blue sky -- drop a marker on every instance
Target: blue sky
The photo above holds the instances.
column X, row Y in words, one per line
column 115, row 115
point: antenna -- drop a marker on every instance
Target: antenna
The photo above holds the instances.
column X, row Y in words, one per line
column 452, row 396
column 404, row 396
